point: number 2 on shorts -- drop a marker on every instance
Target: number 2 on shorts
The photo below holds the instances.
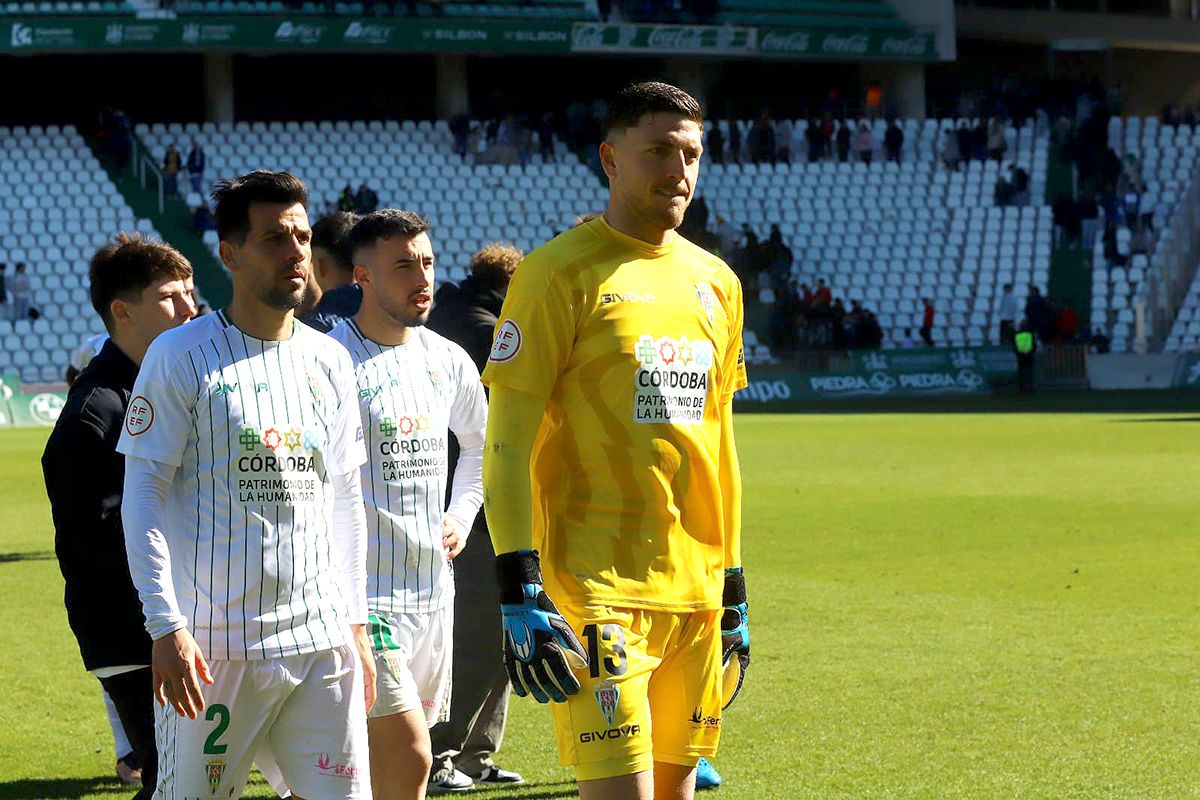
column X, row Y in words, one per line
column 211, row 748
column 608, row 633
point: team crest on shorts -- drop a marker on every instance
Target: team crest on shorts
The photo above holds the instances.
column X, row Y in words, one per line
column 606, row 697
column 216, row 769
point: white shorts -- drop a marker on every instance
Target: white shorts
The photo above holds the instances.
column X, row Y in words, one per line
column 414, row 654
column 305, row 714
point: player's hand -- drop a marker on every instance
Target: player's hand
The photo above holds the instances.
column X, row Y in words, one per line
column 178, row 667
column 540, row 648
column 735, row 635
column 453, row 538
column 366, row 657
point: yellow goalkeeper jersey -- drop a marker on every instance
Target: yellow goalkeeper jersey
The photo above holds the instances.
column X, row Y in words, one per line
column 637, row 349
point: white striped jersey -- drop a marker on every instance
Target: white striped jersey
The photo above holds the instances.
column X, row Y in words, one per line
column 409, row 396
column 255, row 428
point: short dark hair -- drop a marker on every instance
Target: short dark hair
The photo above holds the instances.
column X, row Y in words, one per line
column 650, row 97
column 231, row 199
column 125, row 266
column 331, row 231
column 384, row 224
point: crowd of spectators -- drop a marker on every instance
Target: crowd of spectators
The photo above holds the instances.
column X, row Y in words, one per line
column 770, row 141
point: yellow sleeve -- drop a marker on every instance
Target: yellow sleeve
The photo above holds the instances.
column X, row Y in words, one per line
column 513, row 421
column 729, row 473
column 536, row 329
column 734, row 368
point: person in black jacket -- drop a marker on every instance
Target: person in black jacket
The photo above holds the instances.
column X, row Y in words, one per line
column 466, row 314
column 331, row 295
column 140, row 288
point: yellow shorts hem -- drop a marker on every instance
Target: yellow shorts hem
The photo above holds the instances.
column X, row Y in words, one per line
column 682, row 761
column 614, row 767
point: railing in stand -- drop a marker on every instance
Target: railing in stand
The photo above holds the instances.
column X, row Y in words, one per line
column 139, row 163
column 1171, row 271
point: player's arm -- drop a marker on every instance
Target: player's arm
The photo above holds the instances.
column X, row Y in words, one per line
column 157, row 424
column 344, row 459
column 350, row 547
column 468, row 421
column 539, row 646
column 735, row 619
column 177, row 663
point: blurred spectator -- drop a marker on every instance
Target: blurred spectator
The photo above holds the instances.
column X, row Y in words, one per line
column 864, row 144
column 761, row 140
column 22, row 293
column 1141, row 243
column 893, row 141
column 927, row 323
column 347, row 199
column 996, row 143
column 823, row 296
column 196, row 162
column 735, row 142
column 1025, row 347
column 172, row 162
column 797, row 145
column 365, row 200
column 1037, row 311
column 1101, row 343
column 1019, row 179
column 545, row 134
column 1008, row 314
column 783, row 141
column 331, row 295
column 812, row 135
column 950, row 152
column 728, row 235
column 716, row 145
column 202, row 219
column 4, row 312
column 909, row 342
column 1003, row 193
column 843, row 142
column 460, row 129
column 1067, row 324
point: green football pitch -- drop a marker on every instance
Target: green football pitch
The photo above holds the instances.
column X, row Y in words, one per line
column 942, row 606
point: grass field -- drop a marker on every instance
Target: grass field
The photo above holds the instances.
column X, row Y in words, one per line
column 942, row 606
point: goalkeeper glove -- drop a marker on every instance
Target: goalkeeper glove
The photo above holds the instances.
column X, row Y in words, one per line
column 539, row 646
column 735, row 635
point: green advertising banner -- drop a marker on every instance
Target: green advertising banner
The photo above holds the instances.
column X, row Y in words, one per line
column 1187, row 372
column 899, row 373
column 22, row 409
column 532, row 37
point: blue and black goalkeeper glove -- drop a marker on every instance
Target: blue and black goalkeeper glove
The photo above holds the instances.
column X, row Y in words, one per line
column 539, row 646
column 735, row 635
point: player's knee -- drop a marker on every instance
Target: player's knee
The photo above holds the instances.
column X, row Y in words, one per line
column 420, row 755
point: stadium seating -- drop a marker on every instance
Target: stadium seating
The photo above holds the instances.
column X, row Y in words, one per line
column 890, row 234
column 409, row 164
column 928, row 232
column 63, row 7
column 1166, row 156
column 1185, row 332
column 57, row 205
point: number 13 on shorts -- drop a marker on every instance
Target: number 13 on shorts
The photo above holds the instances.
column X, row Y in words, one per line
column 651, row 690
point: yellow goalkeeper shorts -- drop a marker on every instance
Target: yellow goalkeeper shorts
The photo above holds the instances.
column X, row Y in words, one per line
column 651, row 692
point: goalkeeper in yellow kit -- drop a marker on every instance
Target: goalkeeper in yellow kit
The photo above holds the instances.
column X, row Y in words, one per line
column 610, row 451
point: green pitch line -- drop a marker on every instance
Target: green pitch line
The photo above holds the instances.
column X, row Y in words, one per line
column 943, row 606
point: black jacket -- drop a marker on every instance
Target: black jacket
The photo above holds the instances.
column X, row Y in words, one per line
column 466, row 314
column 335, row 305
column 84, row 478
